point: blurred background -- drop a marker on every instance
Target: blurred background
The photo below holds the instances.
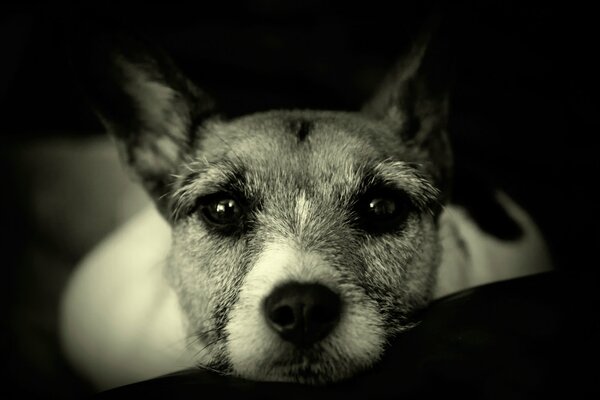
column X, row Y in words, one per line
column 524, row 115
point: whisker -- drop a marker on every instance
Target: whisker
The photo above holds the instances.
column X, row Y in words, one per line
column 211, row 369
column 206, row 346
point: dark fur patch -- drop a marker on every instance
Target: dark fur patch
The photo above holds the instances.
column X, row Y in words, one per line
column 477, row 197
column 220, row 316
column 301, row 128
column 222, row 365
column 190, row 178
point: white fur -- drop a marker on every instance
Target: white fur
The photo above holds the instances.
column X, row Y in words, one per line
column 302, row 212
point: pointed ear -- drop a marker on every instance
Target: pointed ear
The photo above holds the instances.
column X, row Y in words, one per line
column 413, row 99
column 145, row 103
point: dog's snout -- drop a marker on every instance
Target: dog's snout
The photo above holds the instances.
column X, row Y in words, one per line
column 302, row 313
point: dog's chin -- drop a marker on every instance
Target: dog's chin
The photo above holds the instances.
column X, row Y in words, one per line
column 301, row 374
column 310, row 366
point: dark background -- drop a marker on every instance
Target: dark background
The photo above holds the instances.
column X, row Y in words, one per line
column 524, row 114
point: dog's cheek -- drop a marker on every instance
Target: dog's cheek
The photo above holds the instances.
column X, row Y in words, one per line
column 399, row 270
column 205, row 272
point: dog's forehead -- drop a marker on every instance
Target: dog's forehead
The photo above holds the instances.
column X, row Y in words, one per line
column 299, row 147
column 330, row 153
column 313, row 138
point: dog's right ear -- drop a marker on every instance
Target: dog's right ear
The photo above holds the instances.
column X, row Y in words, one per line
column 413, row 99
column 146, row 104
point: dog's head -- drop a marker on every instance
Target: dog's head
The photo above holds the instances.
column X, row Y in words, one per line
column 302, row 240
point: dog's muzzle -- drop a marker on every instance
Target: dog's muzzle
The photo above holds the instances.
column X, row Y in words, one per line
column 302, row 313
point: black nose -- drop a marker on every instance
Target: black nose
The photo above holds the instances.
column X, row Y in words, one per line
column 302, row 313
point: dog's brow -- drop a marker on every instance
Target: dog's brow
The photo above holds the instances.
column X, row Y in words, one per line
column 406, row 177
column 207, row 179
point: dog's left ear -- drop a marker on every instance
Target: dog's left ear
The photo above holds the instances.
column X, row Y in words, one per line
column 413, row 99
column 145, row 102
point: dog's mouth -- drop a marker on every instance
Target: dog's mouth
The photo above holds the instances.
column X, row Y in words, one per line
column 314, row 365
column 306, row 366
column 301, row 374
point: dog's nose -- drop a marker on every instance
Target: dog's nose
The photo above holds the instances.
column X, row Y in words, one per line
column 302, row 313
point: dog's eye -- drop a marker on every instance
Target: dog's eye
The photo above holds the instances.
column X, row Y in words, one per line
column 384, row 211
column 382, row 207
column 221, row 210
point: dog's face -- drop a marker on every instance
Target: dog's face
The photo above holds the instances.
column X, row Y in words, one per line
column 302, row 240
column 259, row 207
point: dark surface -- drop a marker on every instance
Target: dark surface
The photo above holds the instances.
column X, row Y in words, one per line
column 523, row 338
column 524, row 115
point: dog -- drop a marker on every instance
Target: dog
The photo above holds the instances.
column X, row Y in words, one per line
column 288, row 245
